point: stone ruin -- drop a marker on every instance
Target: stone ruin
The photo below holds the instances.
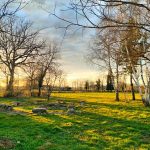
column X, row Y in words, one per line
column 16, row 104
column 58, row 105
column 71, row 109
column 5, row 107
column 39, row 111
column 82, row 103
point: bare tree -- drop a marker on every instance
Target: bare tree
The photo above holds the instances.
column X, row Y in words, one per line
column 9, row 8
column 61, row 79
column 105, row 53
column 51, row 78
column 47, row 60
column 31, row 70
column 138, row 70
column 93, row 13
column 17, row 44
column 6, row 7
column 119, row 13
column 109, row 10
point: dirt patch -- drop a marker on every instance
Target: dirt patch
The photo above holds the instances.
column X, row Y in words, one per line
column 6, row 144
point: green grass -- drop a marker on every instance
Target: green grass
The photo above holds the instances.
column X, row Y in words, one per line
column 100, row 124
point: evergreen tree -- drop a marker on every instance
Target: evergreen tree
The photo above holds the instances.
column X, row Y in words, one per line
column 87, row 85
column 98, row 85
column 109, row 86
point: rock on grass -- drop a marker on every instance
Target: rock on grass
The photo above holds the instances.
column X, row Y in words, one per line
column 39, row 110
column 5, row 107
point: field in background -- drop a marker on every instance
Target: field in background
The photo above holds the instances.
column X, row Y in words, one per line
column 101, row 123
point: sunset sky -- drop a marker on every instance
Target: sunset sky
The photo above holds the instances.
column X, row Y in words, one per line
column 75, row 45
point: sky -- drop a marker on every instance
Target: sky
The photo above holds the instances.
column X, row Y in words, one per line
column 74, row 46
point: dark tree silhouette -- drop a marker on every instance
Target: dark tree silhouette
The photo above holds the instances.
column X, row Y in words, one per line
column 87, row 86
column 110, row 86
column 98, row 85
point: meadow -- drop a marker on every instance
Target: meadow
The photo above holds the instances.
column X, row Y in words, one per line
column 101, row 123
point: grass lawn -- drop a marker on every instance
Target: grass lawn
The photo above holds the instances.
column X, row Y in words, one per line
column 101, row 123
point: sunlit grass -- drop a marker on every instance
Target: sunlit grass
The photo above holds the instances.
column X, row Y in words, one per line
column 101, row 123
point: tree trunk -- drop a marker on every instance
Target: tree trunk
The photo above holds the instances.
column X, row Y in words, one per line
column 132, row 87
column 10, row 88
column 48, row 93
column 117, row 95
column 40, row 84
column 117, row 86
column 39, row 92
column 31, row 87
column 146, row 101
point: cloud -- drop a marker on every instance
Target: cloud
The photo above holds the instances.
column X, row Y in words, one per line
column 39, row 1
column 75, row 44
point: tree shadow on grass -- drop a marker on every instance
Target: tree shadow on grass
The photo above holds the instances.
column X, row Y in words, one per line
column 108, row 105
column 110, row 132
column 84, row 130
column 101, row 131
column 128, row 132
column 31, row 133
column 87, row 131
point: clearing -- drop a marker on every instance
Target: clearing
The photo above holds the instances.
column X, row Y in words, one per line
column 98, row 123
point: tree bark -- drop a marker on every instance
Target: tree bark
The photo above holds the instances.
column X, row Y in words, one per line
column 39, row 92
column 117, row 86
column 49, row 90
column 146, row 101
column 10, row 88
column 40, row 84
column 40, row 81
column 132, row 87
column 31, row 87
